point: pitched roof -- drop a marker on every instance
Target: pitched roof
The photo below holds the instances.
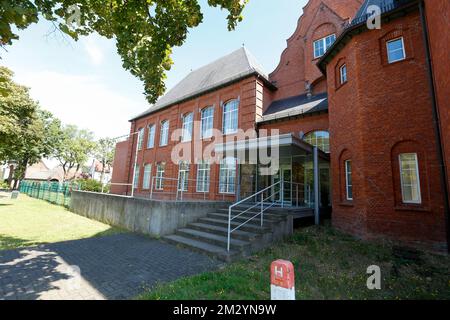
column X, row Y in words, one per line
column 295, row 106
column 230, row 68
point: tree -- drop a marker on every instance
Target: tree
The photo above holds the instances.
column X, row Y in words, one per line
column 27, row 133
column 105, row 154
column 145, row 31
column 74, row 149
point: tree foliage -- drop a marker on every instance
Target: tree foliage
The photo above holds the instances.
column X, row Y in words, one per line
column 74, row 149
column 145, row 30
column 27, row 133
column 105, row 153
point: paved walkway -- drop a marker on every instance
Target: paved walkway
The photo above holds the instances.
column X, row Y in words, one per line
column 111, row 267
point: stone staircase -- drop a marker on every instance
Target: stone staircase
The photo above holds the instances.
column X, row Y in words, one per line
column 209, row 234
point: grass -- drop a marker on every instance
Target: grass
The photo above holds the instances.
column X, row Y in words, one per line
column 27, row 222
column 328, row 265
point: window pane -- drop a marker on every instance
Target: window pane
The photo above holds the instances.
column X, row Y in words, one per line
column 348, row 180
column 136, row 177
column 395, row 50
column 409, row 175
column 319, row 139
column 147, row 176
column 164, row 138
column 140, row 138
column 187, row 127
column 207, row 122
column 230, row 117
column 227, row 175
column 151, row 136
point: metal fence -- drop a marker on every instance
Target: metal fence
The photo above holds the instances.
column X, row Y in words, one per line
column 53, row 192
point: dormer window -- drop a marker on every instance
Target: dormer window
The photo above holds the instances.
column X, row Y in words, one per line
column 322, row 45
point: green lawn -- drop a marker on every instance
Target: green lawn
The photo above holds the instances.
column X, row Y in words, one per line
column 27, row 221
column 329, row 265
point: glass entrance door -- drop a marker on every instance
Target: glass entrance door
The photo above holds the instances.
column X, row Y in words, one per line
column 285, row 174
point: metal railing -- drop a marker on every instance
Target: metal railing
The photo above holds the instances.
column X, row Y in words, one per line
column 259, row 201
column 187, row 189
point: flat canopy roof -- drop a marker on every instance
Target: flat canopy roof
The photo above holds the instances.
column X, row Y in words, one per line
column 283, row 141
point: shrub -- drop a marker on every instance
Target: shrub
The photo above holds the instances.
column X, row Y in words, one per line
column 4, row 185
column 90, row 185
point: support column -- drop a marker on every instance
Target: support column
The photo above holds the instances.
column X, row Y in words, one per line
column 316, row 186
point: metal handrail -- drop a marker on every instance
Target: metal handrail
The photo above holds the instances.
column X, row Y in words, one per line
column 260, row 204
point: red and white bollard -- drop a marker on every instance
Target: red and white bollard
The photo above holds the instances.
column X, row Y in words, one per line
column 282, row 281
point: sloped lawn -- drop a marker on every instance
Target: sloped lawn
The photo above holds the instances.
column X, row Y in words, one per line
column 27, row 222
column 329, row 265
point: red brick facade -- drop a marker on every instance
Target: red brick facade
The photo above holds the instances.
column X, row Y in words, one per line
column 383, row 110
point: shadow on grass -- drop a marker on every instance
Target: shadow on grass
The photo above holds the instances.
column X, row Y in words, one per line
column 7, row 242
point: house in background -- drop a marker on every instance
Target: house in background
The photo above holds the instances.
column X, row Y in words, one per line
column 96, row 169
column 362, row 120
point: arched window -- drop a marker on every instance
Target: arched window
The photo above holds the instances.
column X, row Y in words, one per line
column 319, row 139
column 207, row 122
column 187, row 127
column 230, row 117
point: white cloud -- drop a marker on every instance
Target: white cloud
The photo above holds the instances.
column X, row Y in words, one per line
column 93, row 50
column 84, row 101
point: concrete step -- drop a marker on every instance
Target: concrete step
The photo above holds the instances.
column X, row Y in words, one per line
column 246, row 216
column 221, row 241
column 223, row 231
column 203, row 247
column 252, row 226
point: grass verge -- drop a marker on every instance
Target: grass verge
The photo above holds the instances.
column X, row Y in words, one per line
column 27, row 222
column 328, row 264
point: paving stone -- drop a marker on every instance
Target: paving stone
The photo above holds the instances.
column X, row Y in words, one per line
column 111, row 267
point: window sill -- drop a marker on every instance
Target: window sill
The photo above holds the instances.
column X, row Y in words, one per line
column 417, row 208
column 346, row 204
column 340, row 86
column 387, row 63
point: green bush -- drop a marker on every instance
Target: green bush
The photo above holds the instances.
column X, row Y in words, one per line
column 4, row 185
column 90, row 185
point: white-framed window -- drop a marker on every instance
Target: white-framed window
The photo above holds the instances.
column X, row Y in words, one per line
column 151, row 136
column 147, row 176
column 395, row 50
column 348, row 180
column 322, row 45
column 136, row 176
column 227, row 176
column 164, row 136
column 230, row 117
column 183, row 176
column 159, row 180
column 203, row 174
column 343, row 73
column 409, row 176
column 207, row 122
column 188, row 121
column 140, row 138
column 319, row 139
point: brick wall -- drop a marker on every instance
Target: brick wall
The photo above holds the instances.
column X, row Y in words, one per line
column 120, row 168
column 374, row 117
column 438, row 17
column 297, row 64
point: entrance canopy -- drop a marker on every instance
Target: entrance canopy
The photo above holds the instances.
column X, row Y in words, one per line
column 287, row 144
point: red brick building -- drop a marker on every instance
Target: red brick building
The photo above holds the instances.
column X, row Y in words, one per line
column 368, row 101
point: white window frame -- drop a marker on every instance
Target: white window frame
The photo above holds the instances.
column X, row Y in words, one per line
column 403, row 50
column 203, row 176
column 147, row 176
column 151, row 136
column 207, row 122
column 228, row 118
column 230, row 175
column 183, row 175
column 343, row 75
column 159, row 178
column 322, row 42
column 347, row 174
column 188, row 122
column 137, row 174
column 164, row 133
column 141, row 132
column 402, row 183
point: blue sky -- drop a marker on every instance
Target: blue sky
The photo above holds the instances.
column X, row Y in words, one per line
column 83, row 82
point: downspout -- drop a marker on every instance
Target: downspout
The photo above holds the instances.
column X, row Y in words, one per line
column 436, row 123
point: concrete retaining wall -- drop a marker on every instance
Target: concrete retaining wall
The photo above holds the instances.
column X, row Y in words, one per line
column 155, row 218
